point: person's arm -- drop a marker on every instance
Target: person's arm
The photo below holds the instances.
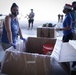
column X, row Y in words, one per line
column 69, row 22
column 8, row 28
column 65, row 28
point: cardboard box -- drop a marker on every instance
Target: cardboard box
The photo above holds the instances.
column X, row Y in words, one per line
column 20, row 63
column 32, row 62
column 48, row 32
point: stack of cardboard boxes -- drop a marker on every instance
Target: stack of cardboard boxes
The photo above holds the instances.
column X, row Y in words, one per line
column 48, row 32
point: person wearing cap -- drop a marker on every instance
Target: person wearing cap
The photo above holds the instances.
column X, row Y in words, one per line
column 67, row 24
column 31, row 19
column 11, row 28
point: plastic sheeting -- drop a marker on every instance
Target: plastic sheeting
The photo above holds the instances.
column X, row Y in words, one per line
column 20, row 46
column 22, row 63
column 59, row 33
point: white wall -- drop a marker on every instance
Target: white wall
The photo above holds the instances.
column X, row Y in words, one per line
column 44, row 9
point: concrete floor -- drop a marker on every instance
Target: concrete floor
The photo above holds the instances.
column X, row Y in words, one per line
column 57, row 69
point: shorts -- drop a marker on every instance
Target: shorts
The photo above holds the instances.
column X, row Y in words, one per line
column 31, row 21
column 68, row 37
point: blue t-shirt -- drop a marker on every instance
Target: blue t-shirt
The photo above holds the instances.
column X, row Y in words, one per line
column 67, row 21
column 14, row 30
column 73, row 14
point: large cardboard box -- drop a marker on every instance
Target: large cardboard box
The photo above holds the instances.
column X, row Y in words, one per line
column 20, row 63
column 32, row 62
column 48, row 32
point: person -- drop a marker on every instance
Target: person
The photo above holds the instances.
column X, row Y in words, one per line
column 67, row 24
column 73, row 13
column 62, row 17
column 59, row 17
column 31, row 19
column 11, row 28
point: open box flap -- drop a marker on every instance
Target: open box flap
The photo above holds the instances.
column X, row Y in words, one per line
column 64, row 52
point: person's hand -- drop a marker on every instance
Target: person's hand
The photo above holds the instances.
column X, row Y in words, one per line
column 14, row 45
column 58, row 29
column 23, row 39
